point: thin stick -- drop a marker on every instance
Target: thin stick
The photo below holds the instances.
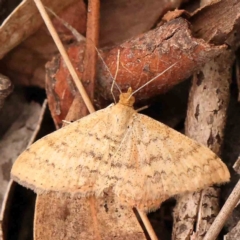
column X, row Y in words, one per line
column 89, row 74
column 147, row 225
column 63, row 52
column 114, row 80
column 92, row 36
column 223, row 215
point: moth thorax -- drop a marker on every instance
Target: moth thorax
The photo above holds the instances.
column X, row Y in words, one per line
column 126, row 98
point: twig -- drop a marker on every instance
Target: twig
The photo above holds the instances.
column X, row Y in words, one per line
column 224, row 213
column 147, row 225
column 89, row 74
column 196, row 211
column 63, row 52
column 90, row 57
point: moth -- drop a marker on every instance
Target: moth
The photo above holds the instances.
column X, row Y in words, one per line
column 117, row 149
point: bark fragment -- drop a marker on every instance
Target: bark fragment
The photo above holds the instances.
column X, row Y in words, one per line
column 234, row 233
column 59, row 86
column 218, row 22
column 141, row 59
column 206, row 118
column 147, row 55
column 205, row 24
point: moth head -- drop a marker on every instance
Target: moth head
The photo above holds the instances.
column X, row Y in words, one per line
column 126, row 98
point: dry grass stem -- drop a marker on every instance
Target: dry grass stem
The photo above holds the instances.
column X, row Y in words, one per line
column 223, row 215
column 63, row 52
column 147, row 225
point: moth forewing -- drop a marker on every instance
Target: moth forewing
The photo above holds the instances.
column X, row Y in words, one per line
column 143, row 161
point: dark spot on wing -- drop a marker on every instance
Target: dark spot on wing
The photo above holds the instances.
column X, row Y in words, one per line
column 106, row 207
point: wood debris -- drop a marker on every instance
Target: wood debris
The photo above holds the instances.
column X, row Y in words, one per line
column 202, row 29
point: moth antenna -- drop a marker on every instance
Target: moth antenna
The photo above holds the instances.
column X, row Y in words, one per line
column 152, row 79
column 115, row 76
column 99, row 54
column 142, row 108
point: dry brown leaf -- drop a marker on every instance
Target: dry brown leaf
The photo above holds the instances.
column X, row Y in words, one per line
column 123, row 19
column 26, row 63
column 218, row 22
column 61, row 217
column 22, row 133
column 24, row 21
